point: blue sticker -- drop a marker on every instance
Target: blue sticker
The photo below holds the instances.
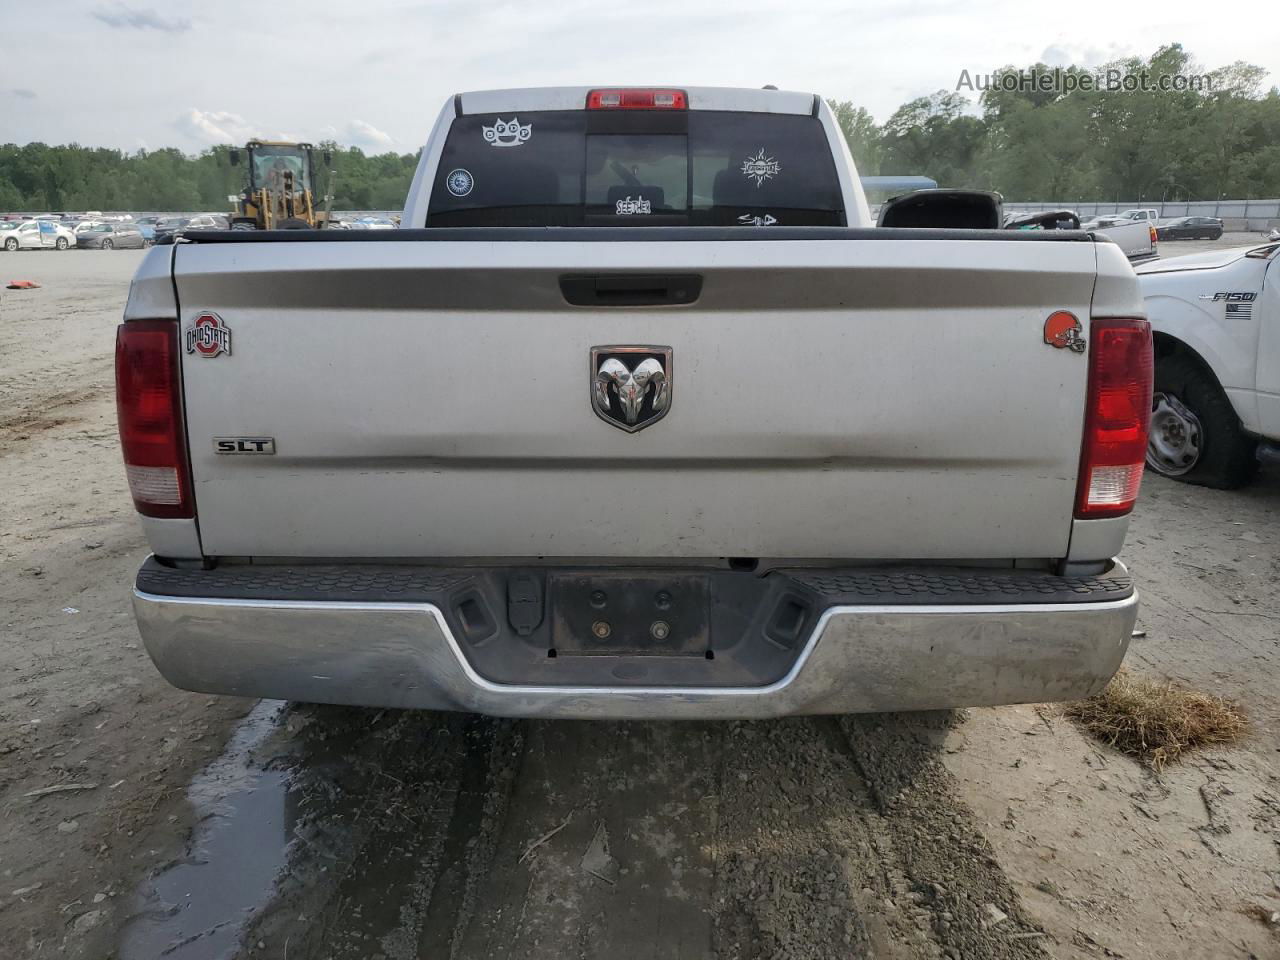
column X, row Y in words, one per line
column 460, row 182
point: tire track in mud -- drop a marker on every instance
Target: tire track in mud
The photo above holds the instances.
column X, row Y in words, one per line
column 436, row 835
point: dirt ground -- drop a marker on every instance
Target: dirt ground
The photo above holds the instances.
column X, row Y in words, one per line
column 197, row 827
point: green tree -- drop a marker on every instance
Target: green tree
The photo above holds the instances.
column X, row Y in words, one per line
column 861, row 133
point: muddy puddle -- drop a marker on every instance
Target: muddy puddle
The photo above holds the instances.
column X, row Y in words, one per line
column 320, row 825
column 198, row 907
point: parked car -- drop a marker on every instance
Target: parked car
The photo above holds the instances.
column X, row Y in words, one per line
column 1146, row 214
column 207, row 221
column 796, row 529
column 1191, row 228
column 109, row 236
column 35, row 235
column 1216, row 321
column 168, row 227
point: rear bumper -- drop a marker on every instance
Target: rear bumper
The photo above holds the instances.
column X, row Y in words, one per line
column 857, row 657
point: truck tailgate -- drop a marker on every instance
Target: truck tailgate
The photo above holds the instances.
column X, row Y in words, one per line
column 868, row 398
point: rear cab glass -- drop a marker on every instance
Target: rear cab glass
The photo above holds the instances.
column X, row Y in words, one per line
column 636, row 168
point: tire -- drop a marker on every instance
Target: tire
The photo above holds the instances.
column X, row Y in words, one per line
column 108, row 245
column 11, row 244
column 1196, row 436
column 61, row 243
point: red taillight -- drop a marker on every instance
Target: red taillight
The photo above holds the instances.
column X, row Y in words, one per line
column 1116, row 418
column 637, row 100
column 149, row 410
column 1155, row 237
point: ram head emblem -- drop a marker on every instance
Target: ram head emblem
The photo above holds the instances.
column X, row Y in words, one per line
column 631, row 386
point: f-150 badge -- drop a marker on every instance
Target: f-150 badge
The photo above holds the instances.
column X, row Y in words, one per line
column 208, row 336
column 631, row 386
column 1063, row 331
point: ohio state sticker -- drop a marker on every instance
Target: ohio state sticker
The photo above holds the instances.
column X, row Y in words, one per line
column 208, row 336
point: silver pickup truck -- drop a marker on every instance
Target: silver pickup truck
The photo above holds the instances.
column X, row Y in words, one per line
column 638, row 416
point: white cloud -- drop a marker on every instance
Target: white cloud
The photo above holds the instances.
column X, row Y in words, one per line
column 221, row 126
column 1067, row 54
column 136, row 18
column 367, row 137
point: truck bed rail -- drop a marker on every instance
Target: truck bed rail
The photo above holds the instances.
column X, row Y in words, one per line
column 629, row 235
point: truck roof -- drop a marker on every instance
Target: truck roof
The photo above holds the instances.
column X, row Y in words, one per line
column 743, row 99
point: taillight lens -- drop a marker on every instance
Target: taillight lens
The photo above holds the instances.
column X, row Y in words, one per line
column 637, row 100
column 149, row 411
column 1155, row 237
column 1118, row 412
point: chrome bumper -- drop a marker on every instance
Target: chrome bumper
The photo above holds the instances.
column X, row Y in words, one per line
column 858, row 659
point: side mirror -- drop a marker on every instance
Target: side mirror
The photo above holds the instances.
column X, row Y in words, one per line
column 234, row 157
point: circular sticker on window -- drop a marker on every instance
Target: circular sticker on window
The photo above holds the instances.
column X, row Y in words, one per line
column 459, row 182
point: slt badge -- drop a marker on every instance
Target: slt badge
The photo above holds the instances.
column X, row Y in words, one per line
column 631, row 386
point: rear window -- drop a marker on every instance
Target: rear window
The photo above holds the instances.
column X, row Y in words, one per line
column 636, row 168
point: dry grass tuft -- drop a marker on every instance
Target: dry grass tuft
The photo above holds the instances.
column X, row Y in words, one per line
column 1157, row 721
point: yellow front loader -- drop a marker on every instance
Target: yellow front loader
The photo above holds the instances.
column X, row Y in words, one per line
column 280, row 187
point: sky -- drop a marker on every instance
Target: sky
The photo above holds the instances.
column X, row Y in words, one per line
column 374, row 73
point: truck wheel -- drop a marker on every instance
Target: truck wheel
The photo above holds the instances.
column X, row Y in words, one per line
column 1196, row 436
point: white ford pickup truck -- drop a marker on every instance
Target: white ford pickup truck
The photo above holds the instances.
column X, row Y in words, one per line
column 1216, row 322
column 638, row 416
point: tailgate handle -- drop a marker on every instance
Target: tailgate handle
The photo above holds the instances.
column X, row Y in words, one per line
column 631, row 289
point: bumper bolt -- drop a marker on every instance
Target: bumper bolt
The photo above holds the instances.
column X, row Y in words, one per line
column 660, row 630
column 601, row 629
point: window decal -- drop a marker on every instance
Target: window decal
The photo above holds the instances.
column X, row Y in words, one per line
column 627, row 207
column 507, row 133
column 761, row 167
column 460, row 182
